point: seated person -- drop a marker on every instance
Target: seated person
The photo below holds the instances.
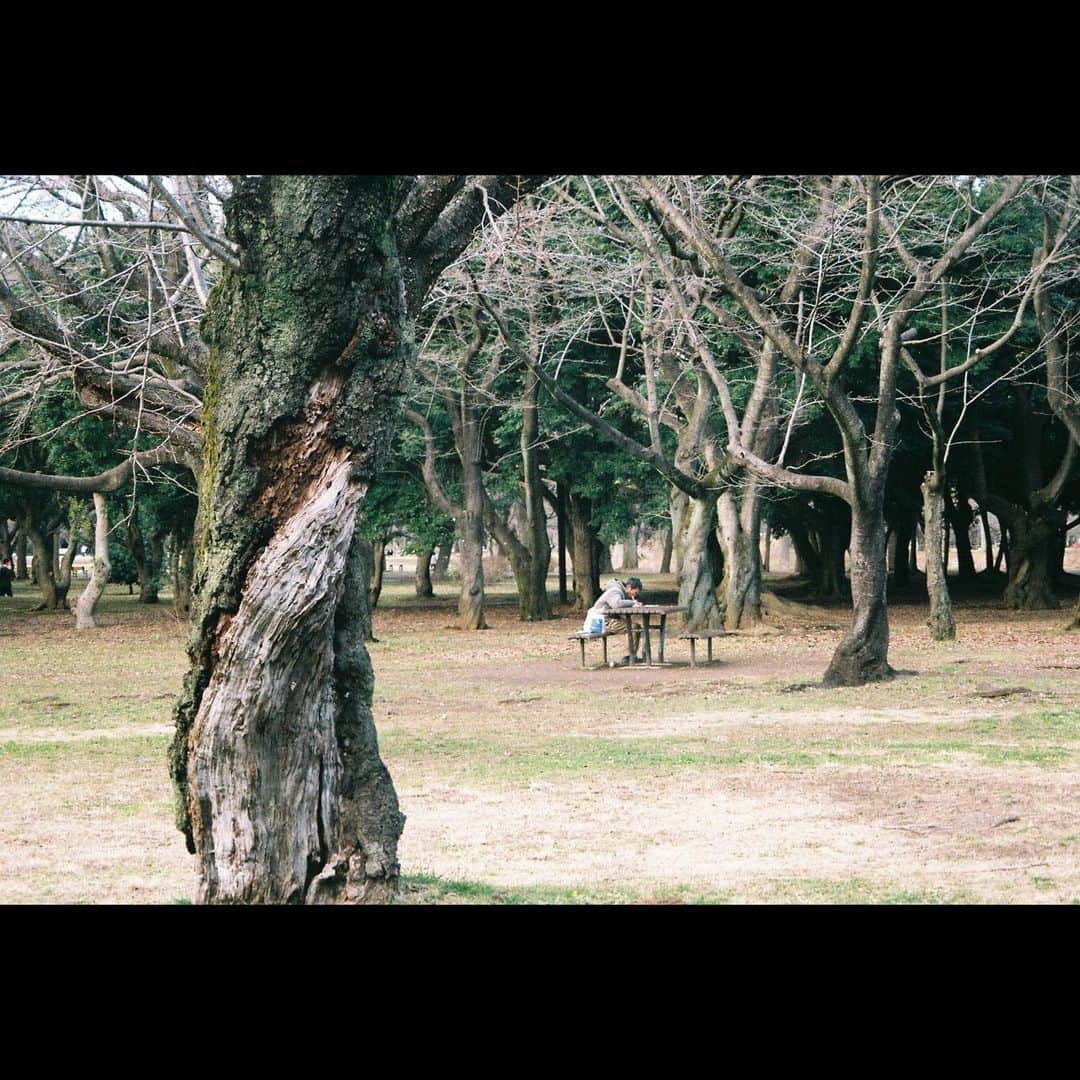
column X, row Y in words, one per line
column 619, row 594
column 6, row 577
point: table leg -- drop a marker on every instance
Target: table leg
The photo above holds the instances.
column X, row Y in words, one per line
column 645, row 621
column 630, row 639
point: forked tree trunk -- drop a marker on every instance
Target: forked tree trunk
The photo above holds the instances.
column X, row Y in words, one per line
column 282, row 793
column 700, row 571
column 941, row 622
column 87, row 603
column 678, row 507
column 862, row 655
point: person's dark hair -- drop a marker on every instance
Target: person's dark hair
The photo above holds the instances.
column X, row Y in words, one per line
column 633, row 583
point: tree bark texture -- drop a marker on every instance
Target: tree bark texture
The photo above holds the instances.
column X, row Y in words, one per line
column 87, row 603
column 700, row 572
column 586, row 566
column 739, row 528
column 1032, row 559
column 423, row 570
column 941, row 622
column 281, row 791
column 862, row 655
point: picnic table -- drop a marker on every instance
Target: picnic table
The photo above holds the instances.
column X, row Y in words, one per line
column 645, row 613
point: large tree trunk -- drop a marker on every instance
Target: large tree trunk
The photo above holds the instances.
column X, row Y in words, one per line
column 701, row 560
column 862, row 655
column 739, row 529
column 423, row 570
column 282, row 794
column 87, row 603
column 1032, row 567
column 5, row 540
column 586, row 567
column 941, row 622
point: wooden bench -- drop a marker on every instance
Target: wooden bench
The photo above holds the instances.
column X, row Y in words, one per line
column 695, row 636
column 581, row 636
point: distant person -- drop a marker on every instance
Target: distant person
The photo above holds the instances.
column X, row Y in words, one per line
column 619, row 594
column 7, row 575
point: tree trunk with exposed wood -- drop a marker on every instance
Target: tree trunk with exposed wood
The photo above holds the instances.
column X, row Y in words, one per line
column 282, row 793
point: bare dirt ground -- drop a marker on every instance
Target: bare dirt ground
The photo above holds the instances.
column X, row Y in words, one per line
column 526, row 778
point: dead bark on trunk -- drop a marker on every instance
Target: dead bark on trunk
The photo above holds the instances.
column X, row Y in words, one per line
column 282, row 794
column 87, row 603
column 941, row 622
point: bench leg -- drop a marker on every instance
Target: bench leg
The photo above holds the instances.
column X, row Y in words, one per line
column 710, row 650
column 581, row 642
column 692, row 657
column 604, row 640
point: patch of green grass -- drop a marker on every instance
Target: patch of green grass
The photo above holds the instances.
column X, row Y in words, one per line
column 1043, row 882
column 433, row 889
